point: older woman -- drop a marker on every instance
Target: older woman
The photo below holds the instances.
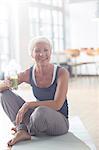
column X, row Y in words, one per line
column 49, row 113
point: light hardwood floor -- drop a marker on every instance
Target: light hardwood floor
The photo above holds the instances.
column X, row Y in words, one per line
column 83, row 98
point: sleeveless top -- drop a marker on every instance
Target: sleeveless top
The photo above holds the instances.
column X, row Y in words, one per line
column 43, row 94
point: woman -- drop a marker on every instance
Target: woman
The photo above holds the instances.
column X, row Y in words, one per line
column 49, row 113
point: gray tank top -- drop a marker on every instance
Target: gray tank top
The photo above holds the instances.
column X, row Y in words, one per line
column 48, row 93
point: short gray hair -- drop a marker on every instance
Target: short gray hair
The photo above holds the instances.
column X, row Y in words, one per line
column 36, row 40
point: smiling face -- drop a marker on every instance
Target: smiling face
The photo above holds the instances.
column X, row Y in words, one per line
column 41, row 53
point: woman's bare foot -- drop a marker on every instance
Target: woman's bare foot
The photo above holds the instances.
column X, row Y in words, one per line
column 20, row 135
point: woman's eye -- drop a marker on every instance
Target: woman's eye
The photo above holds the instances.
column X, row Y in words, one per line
column 45, row 50
column 37, row 51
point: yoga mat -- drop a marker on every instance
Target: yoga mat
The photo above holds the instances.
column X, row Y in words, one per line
column 76, row 139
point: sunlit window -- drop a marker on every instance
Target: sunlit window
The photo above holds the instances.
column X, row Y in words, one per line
column 35, row 0
column 45, row 24
column 4, row 40
column 34, row 21
column 3, row 29
column 3, row 12
column 57, row 17
column 45, row 1
column 45, row 16
column 57, row 3
column 35, row 12
column 47, row 21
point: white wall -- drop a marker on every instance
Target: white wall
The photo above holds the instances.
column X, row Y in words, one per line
column 84, row 31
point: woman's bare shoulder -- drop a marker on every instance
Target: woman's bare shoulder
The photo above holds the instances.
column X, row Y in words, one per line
column 63, row 72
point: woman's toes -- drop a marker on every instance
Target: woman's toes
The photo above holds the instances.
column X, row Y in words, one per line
column 9, row 143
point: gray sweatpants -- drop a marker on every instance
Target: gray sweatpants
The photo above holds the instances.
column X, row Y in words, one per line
column 40, row 120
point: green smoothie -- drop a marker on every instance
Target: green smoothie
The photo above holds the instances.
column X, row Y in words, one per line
column 14, row 83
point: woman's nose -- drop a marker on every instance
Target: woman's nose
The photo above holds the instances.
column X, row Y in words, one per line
column 41, row 54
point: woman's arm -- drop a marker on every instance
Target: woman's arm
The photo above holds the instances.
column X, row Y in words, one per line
column 22, row 77
column 60, row 94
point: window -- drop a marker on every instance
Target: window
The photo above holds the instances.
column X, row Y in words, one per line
column 4, row 42
column 45, row 24
column 57, row 3
column 46, row 19
column 34, row 21
column 58, row 29
column 45, row 1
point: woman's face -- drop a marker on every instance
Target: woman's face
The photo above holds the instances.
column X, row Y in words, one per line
column 41, row 53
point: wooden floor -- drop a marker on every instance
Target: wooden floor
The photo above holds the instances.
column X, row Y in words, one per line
column 83, row 98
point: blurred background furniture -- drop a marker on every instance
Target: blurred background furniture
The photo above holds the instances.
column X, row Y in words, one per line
column 94, row 54
column 79, row 65
column 72, row 55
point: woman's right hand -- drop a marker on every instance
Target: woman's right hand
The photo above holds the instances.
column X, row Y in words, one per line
column 8, row 82
column 21, row 112
column 5, row 84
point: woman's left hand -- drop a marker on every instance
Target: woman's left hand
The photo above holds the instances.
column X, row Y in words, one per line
column 21, row 113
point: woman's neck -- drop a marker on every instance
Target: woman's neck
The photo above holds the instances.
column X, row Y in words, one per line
column 43, row 69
